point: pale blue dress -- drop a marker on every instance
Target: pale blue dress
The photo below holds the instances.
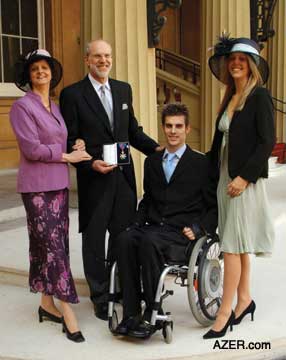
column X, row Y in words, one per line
column 244, row 221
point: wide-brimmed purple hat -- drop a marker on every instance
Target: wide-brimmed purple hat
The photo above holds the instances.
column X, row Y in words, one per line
column 226, row 46
column 22, row 76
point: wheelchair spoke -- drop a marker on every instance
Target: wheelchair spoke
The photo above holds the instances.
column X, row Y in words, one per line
column 211, row 303
column 218, row 301
column 213, row 252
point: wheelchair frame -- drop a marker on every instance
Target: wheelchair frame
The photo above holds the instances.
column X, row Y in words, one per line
column 203, row 278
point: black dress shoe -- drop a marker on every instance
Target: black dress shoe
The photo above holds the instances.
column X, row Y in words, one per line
column 45, row 315
column 101, row 311
column 142, row 331
column 75, row 337
column 212, row 334
column 249, row 310
column 126, row 325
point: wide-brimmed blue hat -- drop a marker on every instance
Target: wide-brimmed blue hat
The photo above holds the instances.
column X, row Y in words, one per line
column 21, row 69
column 226, row 46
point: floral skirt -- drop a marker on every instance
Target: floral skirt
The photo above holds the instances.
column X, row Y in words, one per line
column 48, row 227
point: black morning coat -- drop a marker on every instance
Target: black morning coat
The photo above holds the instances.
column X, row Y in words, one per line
column 86, row 118
column 189, row 199
column 251, row 138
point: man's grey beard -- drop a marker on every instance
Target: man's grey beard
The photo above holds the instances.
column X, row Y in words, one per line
column 100, row 74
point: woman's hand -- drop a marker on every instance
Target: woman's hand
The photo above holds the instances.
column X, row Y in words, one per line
column 236, row 186
column 79, row 145
column 76, row 156
column 187, row 231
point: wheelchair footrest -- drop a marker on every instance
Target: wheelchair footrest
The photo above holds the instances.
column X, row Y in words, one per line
column 167, row 293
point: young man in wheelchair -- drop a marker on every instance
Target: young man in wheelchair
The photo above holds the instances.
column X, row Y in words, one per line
column 178, row 207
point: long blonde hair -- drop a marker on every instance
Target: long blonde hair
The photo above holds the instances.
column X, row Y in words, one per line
column 254, row 80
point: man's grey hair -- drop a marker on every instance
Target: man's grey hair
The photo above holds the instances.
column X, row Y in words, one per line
column 88, row 45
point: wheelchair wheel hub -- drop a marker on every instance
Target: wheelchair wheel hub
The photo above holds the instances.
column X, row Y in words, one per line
column 212, row 275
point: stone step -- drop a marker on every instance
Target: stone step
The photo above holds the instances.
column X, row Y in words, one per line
column 16, row 277
column 12, row 214
column 14, row 263
column 277, row 169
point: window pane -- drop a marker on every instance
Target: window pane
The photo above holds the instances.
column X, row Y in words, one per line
column 10, row 16
column 11, row 51
column 0, row 65
column 29, row 45
column 29, row 18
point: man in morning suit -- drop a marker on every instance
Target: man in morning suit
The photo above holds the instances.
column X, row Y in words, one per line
column 179, row 205
column 99, row 110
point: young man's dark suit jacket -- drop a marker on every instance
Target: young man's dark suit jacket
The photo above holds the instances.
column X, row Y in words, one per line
column 86, row 118
column 189, row 199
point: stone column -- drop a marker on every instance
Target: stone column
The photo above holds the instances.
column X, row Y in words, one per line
column 217, row 15
column 123, row 23
column 277, row 63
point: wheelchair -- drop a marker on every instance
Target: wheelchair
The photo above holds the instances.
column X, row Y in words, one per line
column 201, row 274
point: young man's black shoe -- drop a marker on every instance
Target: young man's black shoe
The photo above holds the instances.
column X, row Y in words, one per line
column 126, row 325
column 143, row 331
column 147, row 318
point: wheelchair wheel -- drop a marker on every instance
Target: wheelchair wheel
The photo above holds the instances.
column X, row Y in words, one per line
column 113, row 321
column 168, row 332
column 205, row 280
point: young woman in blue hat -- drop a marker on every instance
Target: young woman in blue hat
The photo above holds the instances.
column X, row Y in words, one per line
column 242, row 144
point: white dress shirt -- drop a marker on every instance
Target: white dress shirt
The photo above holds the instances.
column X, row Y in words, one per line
column 97, row 85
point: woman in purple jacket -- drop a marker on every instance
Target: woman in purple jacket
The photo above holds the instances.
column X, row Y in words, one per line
column 43, row 181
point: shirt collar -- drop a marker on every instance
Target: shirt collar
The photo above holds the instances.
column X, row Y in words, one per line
column 179, row 153
column 96, row 84
column 30, row 93
column 37, row 97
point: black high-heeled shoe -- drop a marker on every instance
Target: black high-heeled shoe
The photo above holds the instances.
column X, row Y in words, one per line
column 212, row 334
column 76, row 336
column 45, row 315
column 249, row 310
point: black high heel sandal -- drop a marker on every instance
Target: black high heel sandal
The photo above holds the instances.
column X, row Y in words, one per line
column 212, row 334
column 249, row 310
column 76, row 336
column 45, row 315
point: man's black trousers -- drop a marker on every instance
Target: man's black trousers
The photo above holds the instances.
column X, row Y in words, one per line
column 114, row 212
column 144, row 250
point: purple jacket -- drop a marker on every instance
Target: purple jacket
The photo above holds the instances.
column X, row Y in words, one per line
column 42, row 138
